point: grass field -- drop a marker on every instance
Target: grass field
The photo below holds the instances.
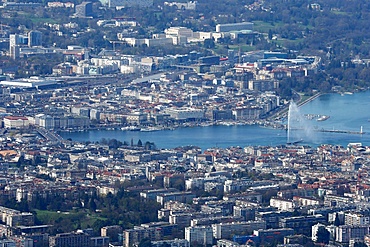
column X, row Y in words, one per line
column 264, row 27
column 80, row 218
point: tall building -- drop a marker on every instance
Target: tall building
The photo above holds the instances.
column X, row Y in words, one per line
column 202, row 235
column 34, row 38
column 84, row 9
column 14, row 50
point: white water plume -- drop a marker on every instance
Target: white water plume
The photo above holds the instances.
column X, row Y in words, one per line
column 298, row 127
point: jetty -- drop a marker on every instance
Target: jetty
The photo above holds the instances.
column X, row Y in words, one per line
column 342, row 131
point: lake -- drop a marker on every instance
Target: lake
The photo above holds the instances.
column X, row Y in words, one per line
column 347, row 112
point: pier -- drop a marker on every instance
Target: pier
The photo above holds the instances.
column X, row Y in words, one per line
column 343, row 131
column 361, row 132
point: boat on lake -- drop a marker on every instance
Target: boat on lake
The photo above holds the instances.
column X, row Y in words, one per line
column 323, row 118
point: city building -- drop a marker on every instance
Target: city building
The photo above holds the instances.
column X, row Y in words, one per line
column 13, row 217
column 13, row 122
column 134, row 236
column 14, row 48
column 84, row 10
column 234, row 27
column 72, row 239
column 356, row 219
column 261, row 85
column 283, row 204
column 315, row 230
column 343, row 234
column 34, row 38
column 302, row 224
column 273, row 235
column 171, row 243
column 191, row 5
column 202, row 235
column 185, row 113
column 112, row 232
column 227, row 230
column 32, row 82
column 129, row 3
column 248, row 213
column 185, row 197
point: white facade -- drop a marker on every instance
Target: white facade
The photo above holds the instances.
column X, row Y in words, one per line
column 227, row 230
column 179, row 31
column 158, row 42
column 130, row 3
column 343, row 234
column 11, row 122
column 282, row 204
column 355, row 219
column 185, row 113
column 192, row 5
column 13, row 46
column 29, row 82
column 200, row 234
column 234, row 27
column 200, row 36
column 315, row 230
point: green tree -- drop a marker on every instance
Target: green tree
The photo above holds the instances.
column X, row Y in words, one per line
column 359, row 244
column 270, row 34
column 323, row 235
column 336, row 221
column 209, row 43
column 92, row 204
column 145, row 242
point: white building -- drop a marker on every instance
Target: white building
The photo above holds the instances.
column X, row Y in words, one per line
column 234, row 27
column 201, row 234
column 11, row 122
column 14, row 49
column 227, row 230
column 355, row 219
column 185, row 113
column 179, row 31
column 282, row 204
column 315, row 230
column 130, row 3
column 343, row 234
column 236, row 185
column 246, row 113
column 192, row 5
column 32, row 82
column 158, row 42
column 200, row 36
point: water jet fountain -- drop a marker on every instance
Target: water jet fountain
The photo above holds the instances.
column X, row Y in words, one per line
column 298, row 127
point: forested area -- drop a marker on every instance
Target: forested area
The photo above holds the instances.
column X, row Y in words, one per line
column 123, row 208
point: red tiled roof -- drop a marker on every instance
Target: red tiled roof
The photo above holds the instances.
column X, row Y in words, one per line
column 16, row 118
